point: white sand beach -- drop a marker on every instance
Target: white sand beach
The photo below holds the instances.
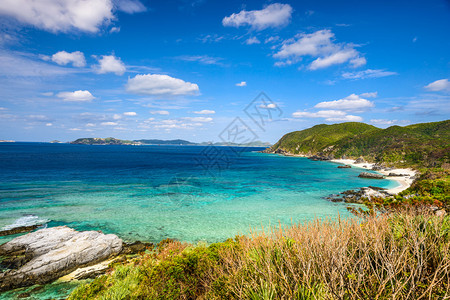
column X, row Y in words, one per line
column 404, row 181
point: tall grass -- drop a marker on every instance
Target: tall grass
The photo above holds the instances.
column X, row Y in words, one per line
column 397, row 256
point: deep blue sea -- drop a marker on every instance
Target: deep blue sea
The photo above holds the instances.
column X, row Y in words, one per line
column 148, row 193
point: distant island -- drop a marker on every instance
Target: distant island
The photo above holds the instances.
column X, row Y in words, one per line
column 114, row 141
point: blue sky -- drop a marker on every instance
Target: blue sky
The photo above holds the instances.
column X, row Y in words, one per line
column 187, row 69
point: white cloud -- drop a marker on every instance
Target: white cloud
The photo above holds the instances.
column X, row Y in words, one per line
column 160, row 85
column 319, row 114
column 346, row 118
column 349, row 103
column 321, row 46
column 199, row 119
column 110, row 64
column 383, row 121
column 369, row 95
column 114, row 29
column 3, row 108
column 270, row 106
column 253, row 40
column 76, row 96
column 273, row 15
column 242, row 83
column 75, row 58
column 160, row 112
column 130, row 113
column 205, row 112
column 369, row 73
column 440, row 85
column 109, row 123
column 336, row 58
column 130, row 6
column 328, row 115
column 60, row 15
column 90, row 125
column 49, row 124
column 27, row 65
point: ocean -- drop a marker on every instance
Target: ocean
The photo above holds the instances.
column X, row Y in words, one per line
column 149, row 193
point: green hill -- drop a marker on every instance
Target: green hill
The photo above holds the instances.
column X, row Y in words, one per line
column 426, row 144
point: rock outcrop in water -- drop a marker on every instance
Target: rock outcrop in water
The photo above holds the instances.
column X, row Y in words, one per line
column 47, row 254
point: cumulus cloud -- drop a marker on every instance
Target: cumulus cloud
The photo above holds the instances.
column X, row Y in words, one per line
column 328, row 115
column 252, row 41
column 75, row 58
column 242, row 83
column 320, row 45
column 369, row 73
column 60, row 15
column 338, row 58
column 273, row 15
column 26, row 65
column 160, row 85
column 109, row 123
column 130, row 113
column 76, row 96
column 160, row 112
column 441, row 85
column 110, row 64
column 349, row 103
column 205, row 112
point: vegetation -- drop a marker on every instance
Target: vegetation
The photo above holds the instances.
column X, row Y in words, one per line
column 418, row 145
column 397, row 256
column 430, row 189
column 403, row 253
column 101, row 141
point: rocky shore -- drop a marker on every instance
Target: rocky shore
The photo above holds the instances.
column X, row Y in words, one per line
column 404, row 177
column 47, row 254
column 359, row 196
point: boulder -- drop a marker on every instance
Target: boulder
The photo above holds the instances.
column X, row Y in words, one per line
column 344, row 167
column 360, row 160
column 397, row 175
column 47, row 254
column 370, row 175
column 17, row 230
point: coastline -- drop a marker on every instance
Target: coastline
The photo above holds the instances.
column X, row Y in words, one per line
column 404, row 181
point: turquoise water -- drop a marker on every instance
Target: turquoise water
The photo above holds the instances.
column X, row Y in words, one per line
column 149, row 193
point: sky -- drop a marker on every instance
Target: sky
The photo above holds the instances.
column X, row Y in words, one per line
column 204, row 70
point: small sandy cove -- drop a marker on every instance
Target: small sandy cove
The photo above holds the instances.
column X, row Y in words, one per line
column 404, row 181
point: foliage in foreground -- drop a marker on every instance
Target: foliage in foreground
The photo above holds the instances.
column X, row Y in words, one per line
column 397, row 256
